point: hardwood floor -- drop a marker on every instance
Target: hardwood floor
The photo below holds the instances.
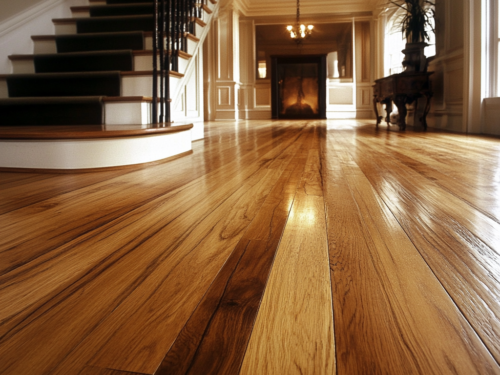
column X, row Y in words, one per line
column 277, row 247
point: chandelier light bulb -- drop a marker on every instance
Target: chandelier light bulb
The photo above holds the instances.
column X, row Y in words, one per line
column 299, row 31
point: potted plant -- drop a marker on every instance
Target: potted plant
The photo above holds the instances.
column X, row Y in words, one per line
column 415, row 20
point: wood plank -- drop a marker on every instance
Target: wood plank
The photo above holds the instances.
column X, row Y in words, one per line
column 455, row 248
column 208, row 246
column 435, row 335
column 215, row 338
column 29, row 230
column 119, row 250
column 294, row 328
column 89, row 370
column 293, row 333
column 174, row 298
column 26, row 193
column 105, row 278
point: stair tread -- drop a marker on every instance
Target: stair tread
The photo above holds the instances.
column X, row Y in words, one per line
column 86, row 35
column 109, row 26
column 91, row 19
column 50, row 99
column 146, row 33
column 75, row 74
column 89, row 131
column 143, row 52
column 86, row 7
column 54, row 99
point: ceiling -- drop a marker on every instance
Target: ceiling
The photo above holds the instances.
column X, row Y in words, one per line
column 260, row 8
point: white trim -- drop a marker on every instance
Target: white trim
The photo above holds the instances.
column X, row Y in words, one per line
column 92, row 153
column 20, row 19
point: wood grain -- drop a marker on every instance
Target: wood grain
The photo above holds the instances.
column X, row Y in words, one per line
column 215, row 338
column 419, row 318
column 96, row 244
column 461, row 252
column 228, row 260
column 293, row 333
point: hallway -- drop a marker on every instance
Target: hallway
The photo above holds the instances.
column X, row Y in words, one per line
column 276, row 247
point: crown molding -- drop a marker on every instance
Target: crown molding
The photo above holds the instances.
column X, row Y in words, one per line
column 257, row 8
column 313, row 18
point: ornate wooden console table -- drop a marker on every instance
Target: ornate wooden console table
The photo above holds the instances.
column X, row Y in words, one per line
column 402, row 89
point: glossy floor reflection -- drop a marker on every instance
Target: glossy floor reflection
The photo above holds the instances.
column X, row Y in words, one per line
column 277, row 247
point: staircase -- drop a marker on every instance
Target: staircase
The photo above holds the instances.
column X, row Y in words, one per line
column 97, row 71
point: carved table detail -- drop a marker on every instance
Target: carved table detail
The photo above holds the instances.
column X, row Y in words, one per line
column 402, row 89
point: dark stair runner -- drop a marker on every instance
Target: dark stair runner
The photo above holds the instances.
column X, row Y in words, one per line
column 64, row 84
column 51, row 111
column 113, row 24
column 68, row 87
column 84, row 62
column 121, row 10
column 100, row 41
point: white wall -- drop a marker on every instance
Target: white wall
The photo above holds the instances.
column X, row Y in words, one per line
column 22, row 18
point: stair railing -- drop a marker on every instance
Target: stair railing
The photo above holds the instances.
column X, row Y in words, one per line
column 173, row 20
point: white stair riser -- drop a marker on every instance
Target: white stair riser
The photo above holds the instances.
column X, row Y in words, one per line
column 64, row 29
column 146, row 63
column 131, row 86
column 4, row 91
column 80, row 13
column 49, row 46
column 92, row 153
column 140, row 63
column 191, row 45
column 128, row 113
column 143, row 85
column 44, row 46
column 198, row 29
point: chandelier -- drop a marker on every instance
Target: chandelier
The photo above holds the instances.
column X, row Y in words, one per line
column 299, row 32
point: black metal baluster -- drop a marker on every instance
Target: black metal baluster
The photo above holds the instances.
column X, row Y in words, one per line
column 167, row 64
column 154, row 119
column 176, row 36
column 161, row 41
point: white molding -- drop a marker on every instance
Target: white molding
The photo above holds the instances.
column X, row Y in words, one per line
column 92, row 153
column 20, row 19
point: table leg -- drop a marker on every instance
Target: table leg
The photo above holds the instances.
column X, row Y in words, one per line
column 375, row 108
column 388, row 110
column 428, row 97
column 401, row 104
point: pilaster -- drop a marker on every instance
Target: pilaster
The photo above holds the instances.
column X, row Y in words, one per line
column 227, row 64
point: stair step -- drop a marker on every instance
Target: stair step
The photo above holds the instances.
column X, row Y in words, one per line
column 89, row 61
column 132, row 83
column 92, row 25
column 64, row 84
column 93, row 110
column 110, row 2
column 135, row 8
column 46, row 44
column 83, row 25
column 113, row 10
column 95, row 61
column 51, row 111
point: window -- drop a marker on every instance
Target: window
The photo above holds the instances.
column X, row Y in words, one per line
column 490, row 49
column 394, row 44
